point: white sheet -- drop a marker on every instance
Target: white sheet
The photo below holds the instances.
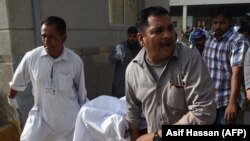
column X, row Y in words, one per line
column 102, row 119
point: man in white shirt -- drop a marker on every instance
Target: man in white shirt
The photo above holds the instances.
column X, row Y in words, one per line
column 57, row 77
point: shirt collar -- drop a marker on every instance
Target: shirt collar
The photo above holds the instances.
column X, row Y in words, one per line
column 140, row 57
column 63, row 56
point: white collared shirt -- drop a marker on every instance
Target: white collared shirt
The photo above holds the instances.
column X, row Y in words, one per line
column 58, row 85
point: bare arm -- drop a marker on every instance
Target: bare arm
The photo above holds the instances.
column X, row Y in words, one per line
column 12, row 93
column 236, row 80
column 11, row 98
column 248, row 94
column 134, row 134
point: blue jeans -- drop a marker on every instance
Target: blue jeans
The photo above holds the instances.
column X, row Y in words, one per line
column 220, row 116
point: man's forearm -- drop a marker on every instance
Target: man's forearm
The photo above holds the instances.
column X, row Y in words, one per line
column 12, row 93
column 134, row 134
column 248, row 94
column 236, row 81
column 160, row 133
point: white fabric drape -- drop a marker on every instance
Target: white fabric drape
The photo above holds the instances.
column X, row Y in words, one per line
column 102, row 119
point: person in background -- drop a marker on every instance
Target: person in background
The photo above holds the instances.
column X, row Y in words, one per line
column 191, row 43
column 57, row 77
column 224, row 53
column 161, row 81
column 205, row 30
column 121, row 55
column 199, row 39
column 245, row 30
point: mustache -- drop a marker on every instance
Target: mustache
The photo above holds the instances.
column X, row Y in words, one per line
column 218, row 31
column 166, row 43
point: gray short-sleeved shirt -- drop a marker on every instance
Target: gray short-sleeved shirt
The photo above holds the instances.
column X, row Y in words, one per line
column 247, row 69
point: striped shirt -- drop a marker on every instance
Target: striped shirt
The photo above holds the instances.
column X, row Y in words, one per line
column 220, row 56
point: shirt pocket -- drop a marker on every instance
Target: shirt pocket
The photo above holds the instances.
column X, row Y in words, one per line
column 65, row 83
column 176, row 96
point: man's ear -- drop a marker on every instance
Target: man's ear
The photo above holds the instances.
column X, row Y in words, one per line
column 64, row 37
column 140, row 39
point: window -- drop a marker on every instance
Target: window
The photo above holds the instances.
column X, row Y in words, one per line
column 123, row 12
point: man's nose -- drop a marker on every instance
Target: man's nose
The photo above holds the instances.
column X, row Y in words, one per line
column 166, row 34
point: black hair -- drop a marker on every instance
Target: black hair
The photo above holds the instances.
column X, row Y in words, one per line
column 222, row 11
column 132, row 30
column 57, row 21
column 142, row 19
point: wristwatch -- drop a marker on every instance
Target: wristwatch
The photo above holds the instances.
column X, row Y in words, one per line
column 156, row 137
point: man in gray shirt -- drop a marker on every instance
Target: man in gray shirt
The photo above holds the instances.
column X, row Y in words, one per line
column 121, row 55
column 166, row 81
